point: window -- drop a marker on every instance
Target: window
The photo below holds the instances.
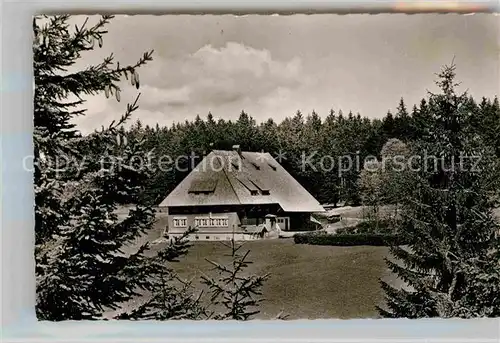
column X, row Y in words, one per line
column 273, row 167
column 180, row 222
column 265, row 192
column 211, row 222
column 204, row 186
column 207, row 237
column 197, row 237
column 254, row 192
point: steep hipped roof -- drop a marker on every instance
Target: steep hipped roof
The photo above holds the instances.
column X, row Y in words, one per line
column 247, row 178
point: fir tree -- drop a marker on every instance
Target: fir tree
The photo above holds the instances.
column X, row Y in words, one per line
column 170, row 297
column 389, row 126
column 55, row 50
column 238, row 293
column 86, row 261
column 451, row 265
column 403, row 122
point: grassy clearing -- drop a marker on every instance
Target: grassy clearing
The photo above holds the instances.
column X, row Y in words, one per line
column 306, row 281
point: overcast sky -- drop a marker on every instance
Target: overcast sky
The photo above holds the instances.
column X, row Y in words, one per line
column 272, row 66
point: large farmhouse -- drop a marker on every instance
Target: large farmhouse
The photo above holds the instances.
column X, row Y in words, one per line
column 241, row 195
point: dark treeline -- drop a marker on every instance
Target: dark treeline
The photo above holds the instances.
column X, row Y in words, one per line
column 312, row 148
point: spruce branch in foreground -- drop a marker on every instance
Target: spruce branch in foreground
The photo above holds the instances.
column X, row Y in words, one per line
column 87, row 259
column 238, row 293
column 170, row 297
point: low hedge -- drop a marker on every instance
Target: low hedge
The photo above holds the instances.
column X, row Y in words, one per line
column 374, row 239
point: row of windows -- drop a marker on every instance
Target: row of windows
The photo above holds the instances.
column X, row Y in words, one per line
column 227, row 238
column 180, row 222
column 203, row 222
column 211, row 222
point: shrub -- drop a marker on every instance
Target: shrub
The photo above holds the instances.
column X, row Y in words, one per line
column 382, row 227
column 374, row 239
column 349, row 230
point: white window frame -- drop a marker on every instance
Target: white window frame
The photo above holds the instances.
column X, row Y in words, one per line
column 211, row 221
column 179, row 222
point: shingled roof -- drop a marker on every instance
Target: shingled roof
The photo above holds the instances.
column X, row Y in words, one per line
column 240, row 177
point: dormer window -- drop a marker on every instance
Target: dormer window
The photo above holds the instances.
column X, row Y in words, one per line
column 273, row 167
column 202, row 186
column 253, row 186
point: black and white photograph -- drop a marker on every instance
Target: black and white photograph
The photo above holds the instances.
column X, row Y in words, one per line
column 266, row 167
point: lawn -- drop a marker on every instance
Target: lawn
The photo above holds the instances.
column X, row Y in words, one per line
column 305, row 281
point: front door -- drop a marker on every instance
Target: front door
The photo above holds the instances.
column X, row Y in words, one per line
column 284, row 223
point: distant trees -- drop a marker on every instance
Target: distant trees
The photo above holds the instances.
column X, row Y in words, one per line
column 395, row 159
column 372, row 188
column 330, row 142
column 329, row 177
column 382, row 182
column 486, row 122
column 452, row 264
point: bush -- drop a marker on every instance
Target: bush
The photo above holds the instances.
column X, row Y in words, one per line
column 382, row 227
column 348, row 230
column 374, row 239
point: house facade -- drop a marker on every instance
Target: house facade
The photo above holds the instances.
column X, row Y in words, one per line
column 241, row 195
